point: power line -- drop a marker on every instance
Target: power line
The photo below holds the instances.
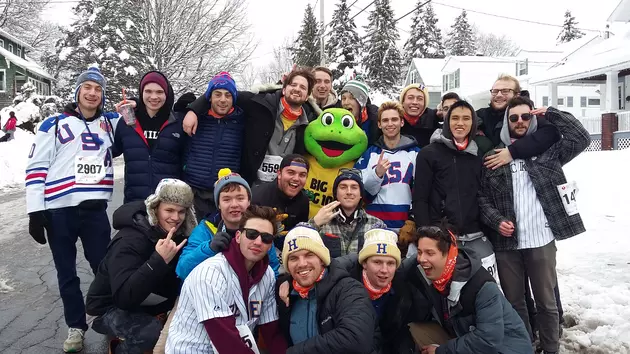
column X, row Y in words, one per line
column 511, row 18
column 410, row 12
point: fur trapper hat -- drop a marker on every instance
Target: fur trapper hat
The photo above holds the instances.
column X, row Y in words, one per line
column 175, row 191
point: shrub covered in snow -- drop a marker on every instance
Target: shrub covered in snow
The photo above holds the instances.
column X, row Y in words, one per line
column 31, row 108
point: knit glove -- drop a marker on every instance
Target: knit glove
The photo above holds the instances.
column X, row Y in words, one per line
column 39, row 226
column 220, row 242
column 280, row 218
column 407, row 233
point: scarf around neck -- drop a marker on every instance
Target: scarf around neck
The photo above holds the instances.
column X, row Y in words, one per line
column 287, row 112
column 303, row 291
column 449, row 268
column 372, row 291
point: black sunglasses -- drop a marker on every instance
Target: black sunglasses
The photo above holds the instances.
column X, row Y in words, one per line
column 253, row 234
column 525, row 117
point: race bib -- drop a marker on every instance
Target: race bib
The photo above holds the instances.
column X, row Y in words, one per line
column 248, row 338
column 269, row 168
column 89, row 169
column 567, row 195
column 490, row 263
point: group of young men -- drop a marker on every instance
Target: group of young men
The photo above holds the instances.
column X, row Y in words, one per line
column 445, row 212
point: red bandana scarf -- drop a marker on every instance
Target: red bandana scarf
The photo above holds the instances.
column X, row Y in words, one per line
column 304, row 291
column 287, row 112
column 372, row 291
column 461, row 146
column 449, row 268
column 411, row 120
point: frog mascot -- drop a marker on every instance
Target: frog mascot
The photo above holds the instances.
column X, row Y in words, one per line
column 334, row 141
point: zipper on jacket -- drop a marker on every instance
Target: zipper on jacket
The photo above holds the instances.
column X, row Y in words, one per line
column 308, row 318
column 459, row 199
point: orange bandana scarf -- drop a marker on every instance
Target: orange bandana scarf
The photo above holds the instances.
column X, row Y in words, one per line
column 449, row 268
column 411, row 120
column 304, row 291
column 287, row 112
column 364, row 115
column 373, row 292
column 461, row 146
column 216, row 115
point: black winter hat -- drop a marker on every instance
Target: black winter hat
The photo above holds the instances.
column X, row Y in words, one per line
column 348, row 174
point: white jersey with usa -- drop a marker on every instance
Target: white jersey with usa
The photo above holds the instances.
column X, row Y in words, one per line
column 212, row 290
column 389, row 197
column 73, row 165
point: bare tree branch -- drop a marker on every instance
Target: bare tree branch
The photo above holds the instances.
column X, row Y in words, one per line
column 492, row 45
column 281, row 63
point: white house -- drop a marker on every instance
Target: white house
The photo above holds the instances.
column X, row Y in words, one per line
column 429, row 73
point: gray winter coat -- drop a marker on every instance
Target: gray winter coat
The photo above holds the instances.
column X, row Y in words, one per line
column 496, row 199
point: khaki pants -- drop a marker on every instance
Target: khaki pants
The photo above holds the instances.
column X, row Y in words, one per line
column 428, row 333
column 160, row 346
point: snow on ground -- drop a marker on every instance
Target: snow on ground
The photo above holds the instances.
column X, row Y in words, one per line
column 13, row 156
column 594, row 267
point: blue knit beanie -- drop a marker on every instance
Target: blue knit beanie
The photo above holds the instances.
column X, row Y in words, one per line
column 227, row 176
column 223, row 80
column 91, row 74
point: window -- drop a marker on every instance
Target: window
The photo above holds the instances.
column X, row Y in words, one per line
column 3, row 80
column 11, row 48
column 451, row 81
column 40, row 87
column 561, row 101
column 19, row 52
column 582, row 101
column 444, row 83
column 570, row 101
column 1, row 43
column 456, row 78
column 545, row 101
column 593, row 102
column 522, row 67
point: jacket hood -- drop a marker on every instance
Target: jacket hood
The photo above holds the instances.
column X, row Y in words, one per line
column 406, row 142
column 438, row 137
column 446, row 127
column 465, row 268
column 336, row 272
column 331, row 100
column 133, row 215
column 170, row 97
column 505, row 130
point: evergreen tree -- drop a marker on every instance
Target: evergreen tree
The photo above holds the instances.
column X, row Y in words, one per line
column 461, row 40
column 425, row 40
column 383, row 62
column 434, row 41
column 307, row 49
column 344, row 45
column 569, row 30
column 105, row 35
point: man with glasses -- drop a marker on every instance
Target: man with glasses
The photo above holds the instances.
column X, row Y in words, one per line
column 343, row 222
column 420, row 121
column 227, row 296
column 529, row 204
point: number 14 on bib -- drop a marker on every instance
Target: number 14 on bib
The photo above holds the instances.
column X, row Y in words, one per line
column 567, row 193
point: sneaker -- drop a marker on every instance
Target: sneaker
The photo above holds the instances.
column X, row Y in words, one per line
column 74, row 342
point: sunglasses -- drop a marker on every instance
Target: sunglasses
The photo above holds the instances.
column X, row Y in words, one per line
column 253, row 234
column 525, row 117
column 353, row 171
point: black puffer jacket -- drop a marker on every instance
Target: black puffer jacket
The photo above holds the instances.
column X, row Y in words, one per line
column 424, row 127
column 405, row 305
column 447, row 181
column 346, row 320
column 132, row 269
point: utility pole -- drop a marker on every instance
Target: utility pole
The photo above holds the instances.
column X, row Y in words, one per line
column 322, row 57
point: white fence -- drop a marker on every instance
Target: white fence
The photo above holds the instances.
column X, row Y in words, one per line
column 624, row 121
column 592, row 124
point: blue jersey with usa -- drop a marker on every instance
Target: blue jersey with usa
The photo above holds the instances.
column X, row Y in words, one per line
column 389, row 197
column 70, row 161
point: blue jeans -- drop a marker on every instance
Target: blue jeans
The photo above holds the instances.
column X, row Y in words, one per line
column 67, row 226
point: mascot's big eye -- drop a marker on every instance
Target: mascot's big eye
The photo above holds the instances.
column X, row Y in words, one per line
column 347, row 121
column 327, row 119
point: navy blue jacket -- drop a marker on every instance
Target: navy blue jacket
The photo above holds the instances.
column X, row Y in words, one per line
column 217, row 144
column 144, row 169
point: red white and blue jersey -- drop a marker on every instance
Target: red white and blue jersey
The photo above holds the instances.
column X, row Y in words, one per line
column 389, row 198
column 55, row 170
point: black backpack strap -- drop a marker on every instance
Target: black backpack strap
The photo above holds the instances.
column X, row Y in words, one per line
column 469, row 291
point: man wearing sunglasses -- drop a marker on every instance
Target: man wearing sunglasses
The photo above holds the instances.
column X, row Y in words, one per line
column 227, row 296
column 343, row 222
column 529, row 204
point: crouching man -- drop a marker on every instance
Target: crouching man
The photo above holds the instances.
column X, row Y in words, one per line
column 468, row 302
column 327, row 311
column 226, row 296
column 136, row 280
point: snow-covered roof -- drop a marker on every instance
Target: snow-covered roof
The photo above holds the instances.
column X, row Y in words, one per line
column 621, row 13
column 479, row 59
column 13, row 38
column 609, row 54
column 561, row 51
column 25, row 63
column 430, row 70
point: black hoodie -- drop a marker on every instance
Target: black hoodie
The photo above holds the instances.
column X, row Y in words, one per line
column 132, row 269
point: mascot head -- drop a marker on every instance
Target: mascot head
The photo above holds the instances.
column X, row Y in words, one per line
column 334, row 138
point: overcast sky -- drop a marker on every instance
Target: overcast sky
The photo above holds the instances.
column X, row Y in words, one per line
column 274, row 20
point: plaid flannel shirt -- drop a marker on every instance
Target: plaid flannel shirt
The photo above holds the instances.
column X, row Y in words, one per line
column 342, row 238
column 496, row 199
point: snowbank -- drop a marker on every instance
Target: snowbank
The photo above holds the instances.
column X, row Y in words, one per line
column 24, row 111
column 594, row 267
column 13, row 158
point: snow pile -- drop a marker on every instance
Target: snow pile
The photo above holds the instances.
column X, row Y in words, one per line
column 13, row 158
column 24, row 111
column 378, row 97
column 594, row 268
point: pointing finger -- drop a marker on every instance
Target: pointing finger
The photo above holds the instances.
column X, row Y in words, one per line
column 380, row 158
column 170, row 234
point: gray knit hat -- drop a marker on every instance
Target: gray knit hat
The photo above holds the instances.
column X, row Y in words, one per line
column 91, row 74
column 226, row 176
column 359, row 90
column 171, row 190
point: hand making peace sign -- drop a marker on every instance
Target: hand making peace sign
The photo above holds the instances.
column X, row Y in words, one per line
column 382, row 165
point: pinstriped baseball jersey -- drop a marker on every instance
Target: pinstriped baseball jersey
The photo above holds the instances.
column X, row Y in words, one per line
column 212, row 290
